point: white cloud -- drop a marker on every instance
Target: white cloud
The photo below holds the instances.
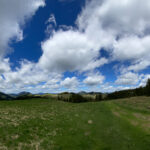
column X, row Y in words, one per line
column 52, row 20
column 70, row 83
column 51, row 24
column 94, row 79
column 13, row 15
column 120, row 27
column 4, row 66
column 123, row 18
column 114, row 25
column 95, row 64
column 69, row 51
column 65, row 28
column 120, row 17
column 29, row 75
column 132, row 48
column 140, row 65
column 128, row 78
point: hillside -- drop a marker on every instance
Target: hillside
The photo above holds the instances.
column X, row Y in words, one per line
column 49, row 124
column 4, row 96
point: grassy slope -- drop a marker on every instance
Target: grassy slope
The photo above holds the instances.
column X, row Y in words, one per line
column 48, row 124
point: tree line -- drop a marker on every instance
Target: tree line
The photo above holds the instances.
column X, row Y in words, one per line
column 77, row 98
column 83, row 96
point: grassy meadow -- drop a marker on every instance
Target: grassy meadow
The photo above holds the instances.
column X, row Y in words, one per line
column 46, row 124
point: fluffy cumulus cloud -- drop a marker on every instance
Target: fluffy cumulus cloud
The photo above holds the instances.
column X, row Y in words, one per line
column 132, row 48
column 13, row 15
column 29, row 75
column 120, row 28
column 128, row 79
column 122, row 17
column 123, row 32
column 69, row 51
column 112, row 25
column 94, row 79
column 70, row 83
column 4, row 65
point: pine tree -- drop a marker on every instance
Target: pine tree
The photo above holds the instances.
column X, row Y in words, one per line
column 148, row 87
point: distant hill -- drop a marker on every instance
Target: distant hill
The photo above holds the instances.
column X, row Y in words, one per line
column 24, row 93
column 4, row 96
column 13, row 95
column 82, row 92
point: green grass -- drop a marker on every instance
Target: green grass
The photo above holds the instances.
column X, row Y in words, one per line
column 44, row 124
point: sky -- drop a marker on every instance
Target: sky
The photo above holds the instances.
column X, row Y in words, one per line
column 52, row 46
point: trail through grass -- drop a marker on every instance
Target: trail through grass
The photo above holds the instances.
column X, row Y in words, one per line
column 42, row 124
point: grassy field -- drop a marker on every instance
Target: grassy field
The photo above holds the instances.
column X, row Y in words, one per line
column 44, row 124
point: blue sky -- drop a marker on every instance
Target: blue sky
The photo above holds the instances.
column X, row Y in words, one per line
column 74, row 45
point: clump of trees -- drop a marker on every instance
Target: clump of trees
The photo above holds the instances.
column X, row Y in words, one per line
column 141, row 91
column 71, row 97
column 88, row 97
column 120, row 94
column 76, row 98
column 99, row 97
column 79, row 98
